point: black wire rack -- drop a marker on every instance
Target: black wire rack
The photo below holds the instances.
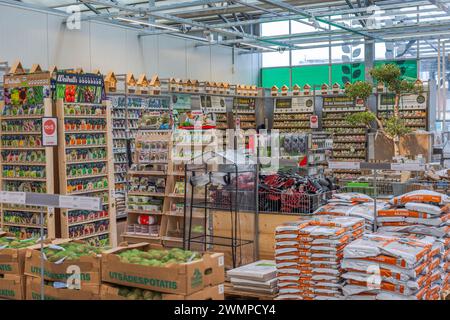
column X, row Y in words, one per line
column 225, row 187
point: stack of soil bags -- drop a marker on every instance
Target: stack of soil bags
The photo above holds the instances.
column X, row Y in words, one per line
column 392, row 267
column 422, row 213
column 352, row 204
column 308, row 256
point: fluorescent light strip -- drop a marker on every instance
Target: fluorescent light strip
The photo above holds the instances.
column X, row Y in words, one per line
column 257, row 47
column 161, row 26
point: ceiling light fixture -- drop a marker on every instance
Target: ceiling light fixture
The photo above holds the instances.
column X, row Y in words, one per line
column 161, row 26
column 257, row 47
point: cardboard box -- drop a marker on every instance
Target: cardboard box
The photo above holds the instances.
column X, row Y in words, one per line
column 12, row 261
column 183, row 279
column 33, row 292
column 109, row 292
column 12, row 287
column 90, row 268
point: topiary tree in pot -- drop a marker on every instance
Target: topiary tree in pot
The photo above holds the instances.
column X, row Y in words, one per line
column 394, row 128
column 390, row 76
column 361, row 90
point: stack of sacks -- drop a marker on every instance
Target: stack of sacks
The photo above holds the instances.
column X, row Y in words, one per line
column 354, row 205
column 392, row 267
column 424, row 213
column 308, row 255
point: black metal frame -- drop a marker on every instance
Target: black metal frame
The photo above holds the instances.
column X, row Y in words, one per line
column 206, row 239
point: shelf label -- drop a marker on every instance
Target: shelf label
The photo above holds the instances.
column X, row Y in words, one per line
column 12, row 197
column 407, row 167
column 344, row 165
column 49, row 132
column 82, row 203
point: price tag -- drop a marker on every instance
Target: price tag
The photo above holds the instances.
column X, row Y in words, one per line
column 12, row 197
column 407, row 167
column 83, row 203
column 314, row 122
column 344, row 165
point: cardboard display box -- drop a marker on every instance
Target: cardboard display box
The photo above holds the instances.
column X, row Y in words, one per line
column 90, row 268
column 12, row 261
column 12, row 287
column 109, row 292
column 33, row 292
column 184, row 279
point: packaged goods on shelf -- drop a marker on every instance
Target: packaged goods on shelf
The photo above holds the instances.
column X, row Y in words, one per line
column 172, row 271
column 259, row 276
column 308, row 256
column 393, row 266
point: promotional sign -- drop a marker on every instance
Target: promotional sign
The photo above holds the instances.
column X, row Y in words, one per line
column 283, row 105
column 79, row 88
column 81, row 203
column 244, row 104
column 181, row 101
column 340, row 103
column 314, row 122
column 27, row 89
column 49, row 132
column 386, row 101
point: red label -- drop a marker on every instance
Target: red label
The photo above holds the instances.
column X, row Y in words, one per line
column 49, row 127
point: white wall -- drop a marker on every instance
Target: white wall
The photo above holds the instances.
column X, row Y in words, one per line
column 40, row 37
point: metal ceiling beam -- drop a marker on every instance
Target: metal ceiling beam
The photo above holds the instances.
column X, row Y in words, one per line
column 291, row 8
column 176, row 19
column 441, row 5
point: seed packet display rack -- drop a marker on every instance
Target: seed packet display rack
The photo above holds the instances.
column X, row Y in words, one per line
column 87, row 169
column 349, row 141
column 147, row 196
column 26, row 165
column 293, row 113
column 127, row 110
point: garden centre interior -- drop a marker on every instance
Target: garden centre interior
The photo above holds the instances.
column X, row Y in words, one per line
column 225, row 150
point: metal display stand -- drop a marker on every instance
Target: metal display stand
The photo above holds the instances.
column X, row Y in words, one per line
column 50, row 201
column 375, row 167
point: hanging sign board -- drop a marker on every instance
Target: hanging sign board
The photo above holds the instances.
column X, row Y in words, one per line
column 81, row 203
column 49, row 132
column 12, row 197
column 408, row 167
column 347, row 165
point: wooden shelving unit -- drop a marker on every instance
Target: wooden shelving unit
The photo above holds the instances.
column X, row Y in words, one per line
column 349, row 142
column 292, row 113
column 25, row 164
column 94, row 176
column 413, row 109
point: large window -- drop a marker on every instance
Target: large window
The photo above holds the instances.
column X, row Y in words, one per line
column 311, row 56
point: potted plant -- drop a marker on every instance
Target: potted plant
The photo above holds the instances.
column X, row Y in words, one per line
column 394, row 127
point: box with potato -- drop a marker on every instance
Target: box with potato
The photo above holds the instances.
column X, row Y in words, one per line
column 12, row 262
column 62, row 257
column 170, row 271
column 115, row 292
column 12, row 253
column 12, row 287
column 52, row 292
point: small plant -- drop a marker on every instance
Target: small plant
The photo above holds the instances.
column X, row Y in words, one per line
column 359, row 89
column 366, row 118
